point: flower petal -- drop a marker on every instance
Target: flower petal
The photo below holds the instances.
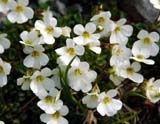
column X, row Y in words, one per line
column 142, row 34
column 78, row 29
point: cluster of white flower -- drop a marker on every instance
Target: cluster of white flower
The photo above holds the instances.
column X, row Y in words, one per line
column 47, row 83
column 40, row 81
column 79, row 75
column 104, row 102
column 141, row 50
column 5, row 67
column 17, row 11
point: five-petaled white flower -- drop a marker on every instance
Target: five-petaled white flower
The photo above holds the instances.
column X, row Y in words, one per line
column 57, row 117
column 121, row 32
column 5, row 69
column 107, row 104
column 29, row 38
column 68, row 52
column 130, row 71
column 141, row 55
column 153, row 90
column 147, row 41
column 120, row 55
column 86, row 34
column 20, row 13
column 48, row 28
column 80, row 77
column 50, row 103
column 36, row 57
column 4, row 42
column 103, row 21
column 41, row 83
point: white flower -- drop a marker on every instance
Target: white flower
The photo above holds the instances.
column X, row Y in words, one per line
column 29, row 38
column 120, row 55
column 147, row 42
column 91, row 100
column 103, row 20
column 25, row 82
column 116, row 79
column 36, row 57
column 107, row 104
column 5, row 5
column 129, row 71
column 40, row 83
column 1, row 122
column 5, row 69
column 57, row 117
column 86, row 34
column 153, row 90
column 56, row 78
column 141, row 55
column 66, row 31
column 95, row 46
column 156, row 3
column 48, row 28
column 68, row 52
column 121, row 32
column 50, row 103
column 80, row 77
column 4, row 42
column 19, row 12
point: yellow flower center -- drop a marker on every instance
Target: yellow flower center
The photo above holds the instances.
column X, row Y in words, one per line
column 130, row 71
column 29, row 41
column 56, row 115
column 101, row 20
column 117, row 29
column 140, row 57
column 151, row 88
column 49, row 99
column 35, row 54
column 71, row 51
column 157, row 95
column 85, row 35
column 147, row 41
column 49, row 29
column 1, row 70
column 77, row 72
column 106, row 100
column 39, row 78
column 93, row 97
column 27, row 80
column 4, row 1
column 118, row 52
column 19, row 9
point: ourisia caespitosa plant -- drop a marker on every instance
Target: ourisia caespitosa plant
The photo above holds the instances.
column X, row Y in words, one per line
column 73, row 74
